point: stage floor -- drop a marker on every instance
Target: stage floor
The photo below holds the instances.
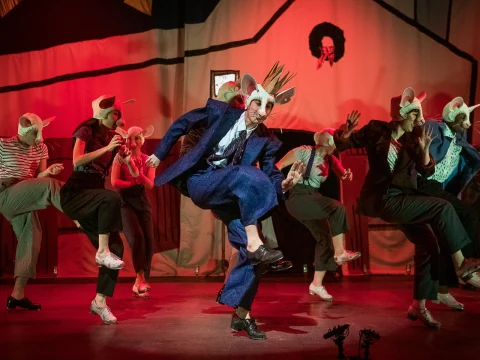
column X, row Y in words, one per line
column 182, row 321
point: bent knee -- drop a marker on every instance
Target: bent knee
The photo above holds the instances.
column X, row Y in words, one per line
column 253, row 177
column 112, row 197
column 339, row 207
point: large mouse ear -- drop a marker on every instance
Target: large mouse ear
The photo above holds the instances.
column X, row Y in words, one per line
column 471, row 108
column 121, row 132
column 285, row 96
column 148, row 131
column 46, row 122
column 248, row 84
column 456, row 103
column 24, row 122
column 107, row 102
column 407, row 95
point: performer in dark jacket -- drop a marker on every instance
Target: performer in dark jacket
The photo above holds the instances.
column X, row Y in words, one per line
column 389, row 192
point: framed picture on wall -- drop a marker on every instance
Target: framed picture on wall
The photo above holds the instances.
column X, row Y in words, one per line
column 220, row 77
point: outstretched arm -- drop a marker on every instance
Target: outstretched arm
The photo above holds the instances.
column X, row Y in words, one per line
column 339, row 170
column 360, row 138
column 180, row 127
column 44, row 171
column 42, row 168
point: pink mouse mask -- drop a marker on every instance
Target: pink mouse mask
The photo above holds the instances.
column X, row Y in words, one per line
column 105, row 104
column 30, row 121
column 402, row 105
column 455, row 107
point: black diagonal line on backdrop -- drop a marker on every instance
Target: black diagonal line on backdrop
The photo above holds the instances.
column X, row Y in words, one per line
column 91, row 73
column 154, row 61
column 447, row 44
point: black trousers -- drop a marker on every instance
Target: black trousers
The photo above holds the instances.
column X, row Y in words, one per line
column 138, row 230
column 84, row 199
column 323, row 216
column 467, row 216
column 417, row 216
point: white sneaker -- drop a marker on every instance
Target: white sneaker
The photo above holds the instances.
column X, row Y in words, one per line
column 320, row 291
column 449, row 300
column 474, row 280
column 110, row 260
column 104, row 312
column 347, row 256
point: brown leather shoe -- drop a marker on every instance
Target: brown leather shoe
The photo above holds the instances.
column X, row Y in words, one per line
column 424, row 316
column 469, row 266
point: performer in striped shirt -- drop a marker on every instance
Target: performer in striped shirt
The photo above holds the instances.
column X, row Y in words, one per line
column 21, row 194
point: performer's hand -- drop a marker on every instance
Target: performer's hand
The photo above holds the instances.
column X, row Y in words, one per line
column 426, row 138
column 140, row 179
column 55, row 169
column 294, row 175
column 125, row 154
column 347, row 175
column 351, row 124
column 115, row 142
column 152, row 161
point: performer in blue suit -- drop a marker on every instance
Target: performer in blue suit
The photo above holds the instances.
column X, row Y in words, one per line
column 457, row 162
column 219, row 173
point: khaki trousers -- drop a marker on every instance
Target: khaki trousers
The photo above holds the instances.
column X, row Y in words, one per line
column 18, row 203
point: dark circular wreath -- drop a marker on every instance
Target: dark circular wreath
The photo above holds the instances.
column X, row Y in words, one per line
column 326, row 29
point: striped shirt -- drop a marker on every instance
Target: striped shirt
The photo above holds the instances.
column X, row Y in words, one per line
column 19, row 161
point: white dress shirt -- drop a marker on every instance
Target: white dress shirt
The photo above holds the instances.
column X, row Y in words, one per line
column 231, row 135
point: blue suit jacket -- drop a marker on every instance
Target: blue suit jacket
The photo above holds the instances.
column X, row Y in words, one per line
column 469, row 163
column 217, row 118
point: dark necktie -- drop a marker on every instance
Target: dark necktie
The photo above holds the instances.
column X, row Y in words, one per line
column 234, row 150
